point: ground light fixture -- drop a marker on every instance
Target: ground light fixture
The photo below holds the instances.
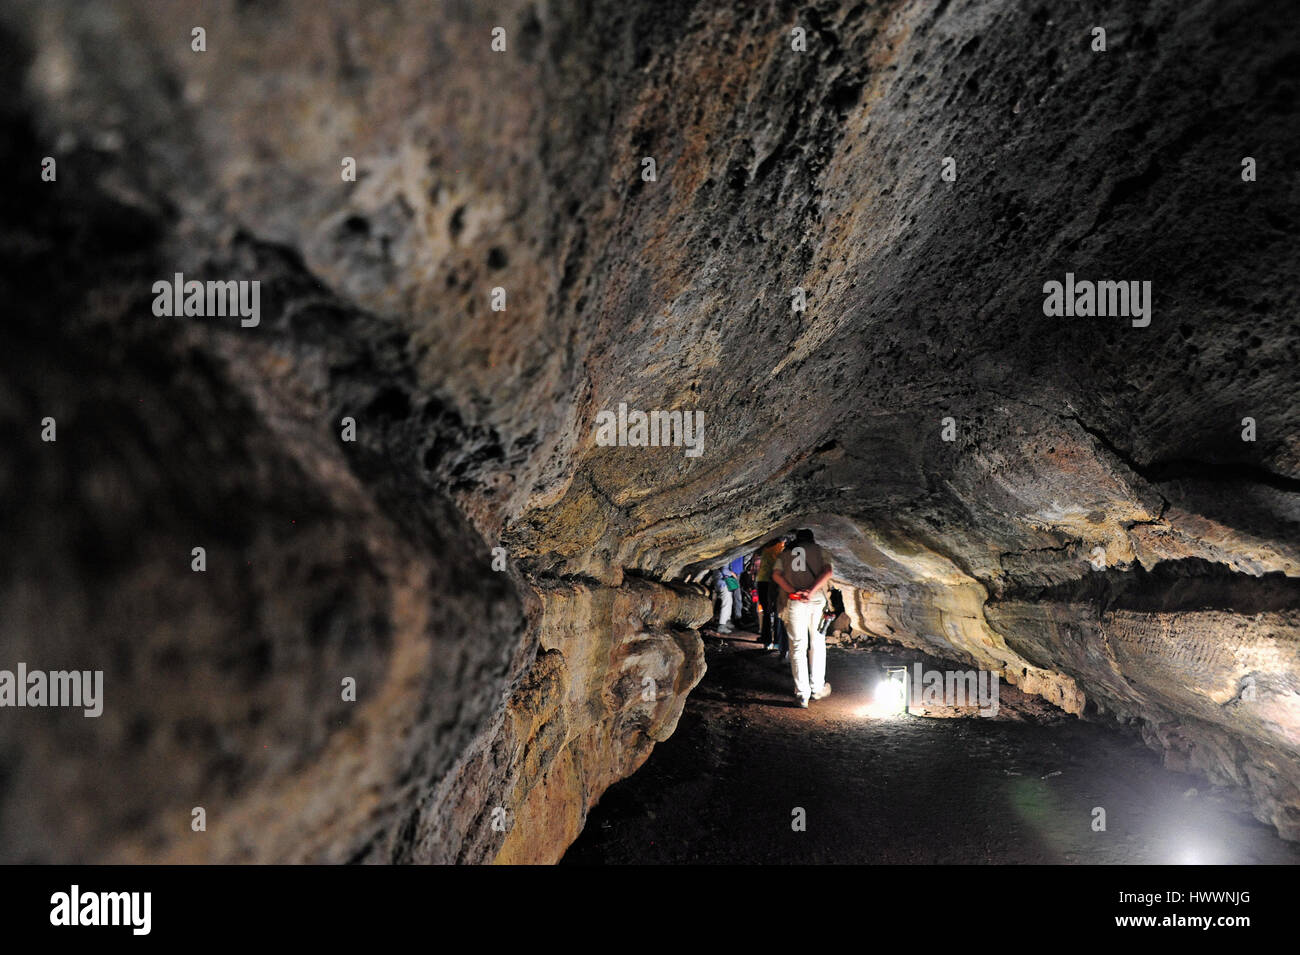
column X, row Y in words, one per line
column 890, row 697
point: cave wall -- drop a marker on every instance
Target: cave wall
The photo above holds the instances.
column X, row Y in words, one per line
column 520, row 689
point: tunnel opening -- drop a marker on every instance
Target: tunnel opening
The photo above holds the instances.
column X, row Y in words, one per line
column 917, row 753
column 748, row 778
column 374, row 569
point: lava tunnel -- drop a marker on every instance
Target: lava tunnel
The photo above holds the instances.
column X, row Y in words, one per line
column 619, row 431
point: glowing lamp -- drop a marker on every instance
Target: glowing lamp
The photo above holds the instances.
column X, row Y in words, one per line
column 891, row 694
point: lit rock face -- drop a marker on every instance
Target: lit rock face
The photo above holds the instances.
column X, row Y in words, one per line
column 585, row 714
column 1097, row 531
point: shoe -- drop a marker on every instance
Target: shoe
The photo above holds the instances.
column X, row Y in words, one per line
column 724, row 629
column 825, row 692
column 769, row 646
column 803, row 703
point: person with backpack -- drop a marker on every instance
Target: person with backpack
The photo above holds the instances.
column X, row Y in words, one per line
column 727, row 586
column 801, row 573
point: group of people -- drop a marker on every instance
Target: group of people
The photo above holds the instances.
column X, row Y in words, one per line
column 784, row 588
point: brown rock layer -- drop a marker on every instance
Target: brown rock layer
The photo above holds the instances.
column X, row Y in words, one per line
column 1097, row 531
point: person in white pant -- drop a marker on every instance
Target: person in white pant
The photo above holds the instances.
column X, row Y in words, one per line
column 801, row 573
column 725, row 595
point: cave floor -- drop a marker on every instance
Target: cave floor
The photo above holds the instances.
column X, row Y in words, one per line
column 1016, row 788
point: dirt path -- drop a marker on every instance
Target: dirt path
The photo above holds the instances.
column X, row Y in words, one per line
column 1016, row 788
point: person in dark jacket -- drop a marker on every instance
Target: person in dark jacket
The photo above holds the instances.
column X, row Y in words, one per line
column 772, row 631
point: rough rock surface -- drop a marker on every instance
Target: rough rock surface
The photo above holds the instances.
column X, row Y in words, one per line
column 1097, row 531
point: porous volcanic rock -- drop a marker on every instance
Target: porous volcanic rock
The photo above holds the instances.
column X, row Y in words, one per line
column 1097, row 531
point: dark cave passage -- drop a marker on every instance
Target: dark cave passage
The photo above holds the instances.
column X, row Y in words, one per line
column 1020, row 787
column 375, row 578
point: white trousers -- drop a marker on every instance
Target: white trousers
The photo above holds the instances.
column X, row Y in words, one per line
column 807, row 644
column 724, row 609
